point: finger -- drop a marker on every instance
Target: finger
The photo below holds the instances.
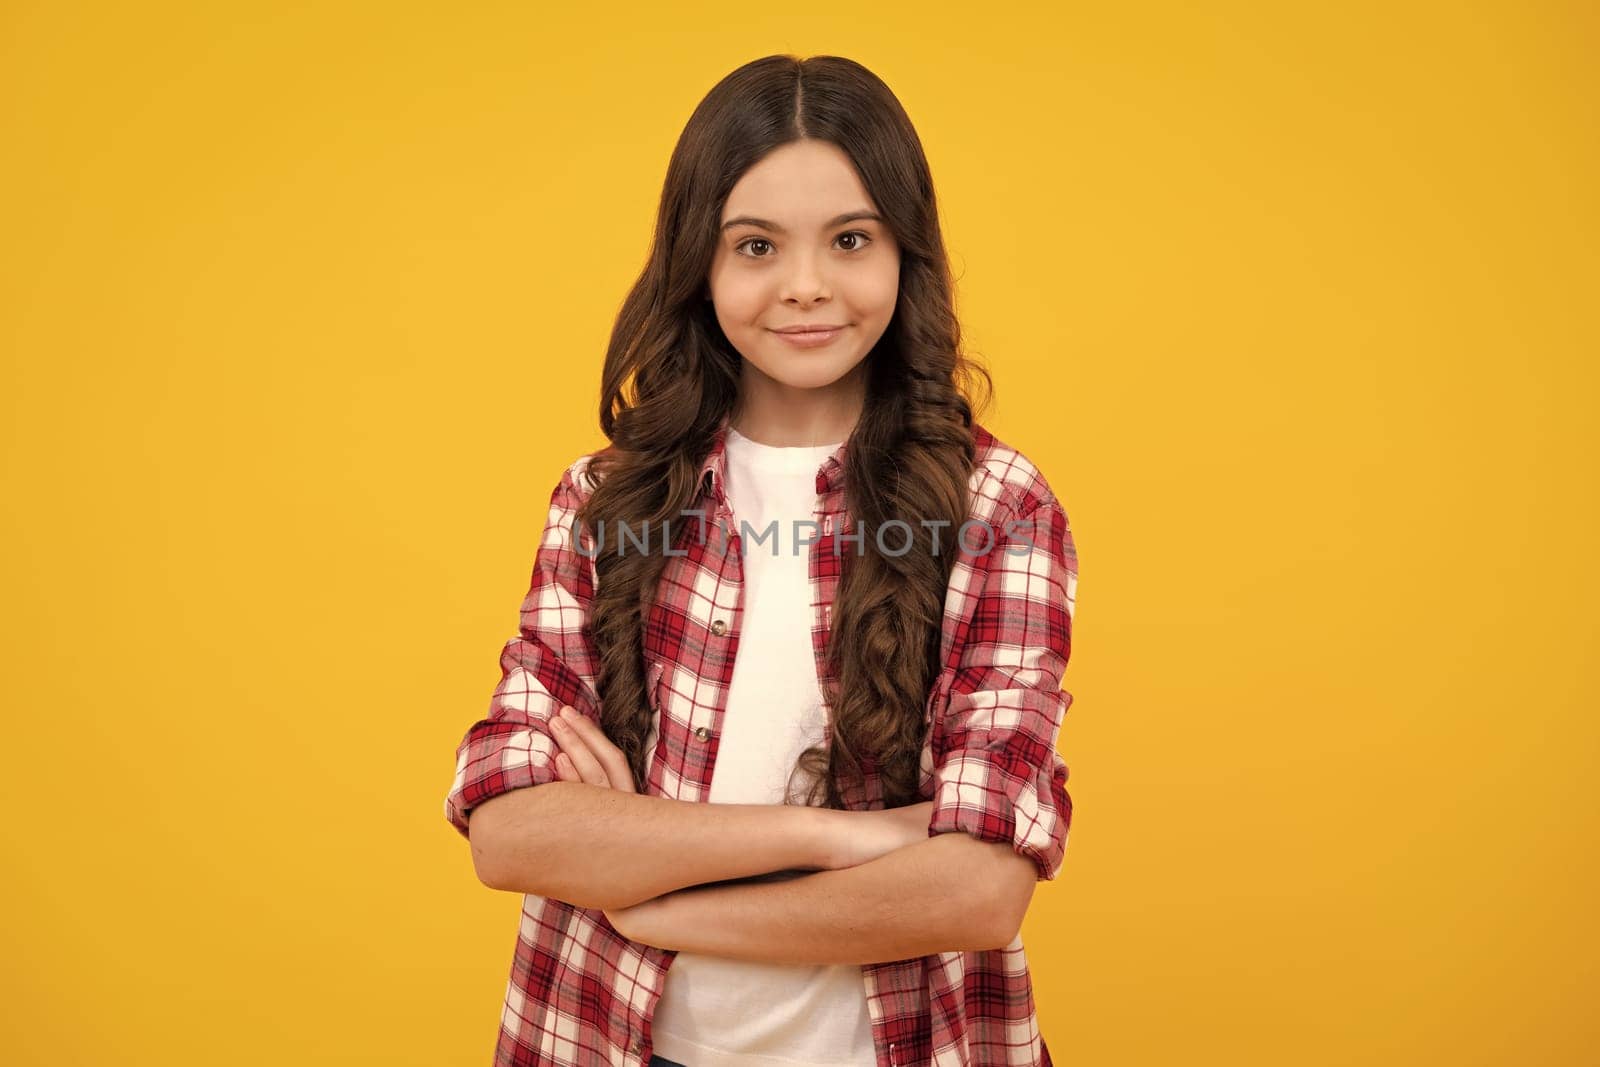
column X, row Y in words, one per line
column 607, row 754
column 577, row 750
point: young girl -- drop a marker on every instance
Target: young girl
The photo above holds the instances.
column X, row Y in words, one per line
column 788, row 677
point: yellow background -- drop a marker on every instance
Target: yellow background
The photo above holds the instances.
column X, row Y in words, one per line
column 303, row 312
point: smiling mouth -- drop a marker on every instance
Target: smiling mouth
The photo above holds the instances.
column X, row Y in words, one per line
column 810, row 338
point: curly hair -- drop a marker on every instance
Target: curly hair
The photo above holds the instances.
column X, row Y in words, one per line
column 671, row 376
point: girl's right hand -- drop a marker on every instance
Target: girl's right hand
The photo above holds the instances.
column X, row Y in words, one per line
column 856, row 837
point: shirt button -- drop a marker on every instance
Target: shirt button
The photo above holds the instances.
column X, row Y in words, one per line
column 719, row 627
column 702, row 732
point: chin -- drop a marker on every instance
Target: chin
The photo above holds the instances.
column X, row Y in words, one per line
column 799, row 374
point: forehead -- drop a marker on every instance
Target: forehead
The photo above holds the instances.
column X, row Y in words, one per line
column 804, row 183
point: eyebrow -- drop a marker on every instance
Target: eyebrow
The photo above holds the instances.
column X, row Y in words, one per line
column 848, row 216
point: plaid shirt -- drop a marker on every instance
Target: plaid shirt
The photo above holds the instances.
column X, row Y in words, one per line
column 581, row 994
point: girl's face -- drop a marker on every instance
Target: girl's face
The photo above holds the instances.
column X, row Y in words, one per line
column 801, row 245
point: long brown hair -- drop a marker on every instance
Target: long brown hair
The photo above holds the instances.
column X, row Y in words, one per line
column 671, row 376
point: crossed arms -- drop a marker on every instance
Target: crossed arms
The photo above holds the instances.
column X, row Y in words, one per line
column 646, row 861
column 999, row 815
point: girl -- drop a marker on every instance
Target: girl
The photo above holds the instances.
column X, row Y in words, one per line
column 788, row 673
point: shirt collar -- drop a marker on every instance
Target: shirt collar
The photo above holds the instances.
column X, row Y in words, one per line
column 713, row 472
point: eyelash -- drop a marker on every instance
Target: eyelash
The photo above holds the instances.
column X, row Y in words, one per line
column 848, row 233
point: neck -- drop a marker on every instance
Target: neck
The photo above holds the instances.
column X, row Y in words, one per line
column 772, row 413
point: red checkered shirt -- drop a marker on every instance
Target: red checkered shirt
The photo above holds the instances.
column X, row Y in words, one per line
column 580, row 994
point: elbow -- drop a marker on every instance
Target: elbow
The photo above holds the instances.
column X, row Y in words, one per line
column 991, row 886
column 1005, row 935
column 1004, row 926
column 487, row 862
column 490, row 830
column 1013, row 882
column 504, row 860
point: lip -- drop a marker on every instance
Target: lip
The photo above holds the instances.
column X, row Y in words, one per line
column 810, row 336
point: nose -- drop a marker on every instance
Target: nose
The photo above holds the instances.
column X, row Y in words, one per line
column 805, row 285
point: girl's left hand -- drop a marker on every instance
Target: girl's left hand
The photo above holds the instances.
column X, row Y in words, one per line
column 586, row 754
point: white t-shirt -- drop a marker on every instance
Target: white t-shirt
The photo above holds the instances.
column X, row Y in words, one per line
column 718, row 1012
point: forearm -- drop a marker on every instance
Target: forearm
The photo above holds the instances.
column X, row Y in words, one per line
column 605, row 848
column 932, row 896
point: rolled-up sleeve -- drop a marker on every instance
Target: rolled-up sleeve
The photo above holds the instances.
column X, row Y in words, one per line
column 550, row 663
column 997, row 774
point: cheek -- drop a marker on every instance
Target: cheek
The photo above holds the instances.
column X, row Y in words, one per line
column 877, row 292
column 740, row 299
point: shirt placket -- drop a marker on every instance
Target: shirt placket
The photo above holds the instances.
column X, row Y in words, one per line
column 824, row 570
column 727, row 613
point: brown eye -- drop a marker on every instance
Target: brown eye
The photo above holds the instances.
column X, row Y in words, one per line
column 859, row 238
